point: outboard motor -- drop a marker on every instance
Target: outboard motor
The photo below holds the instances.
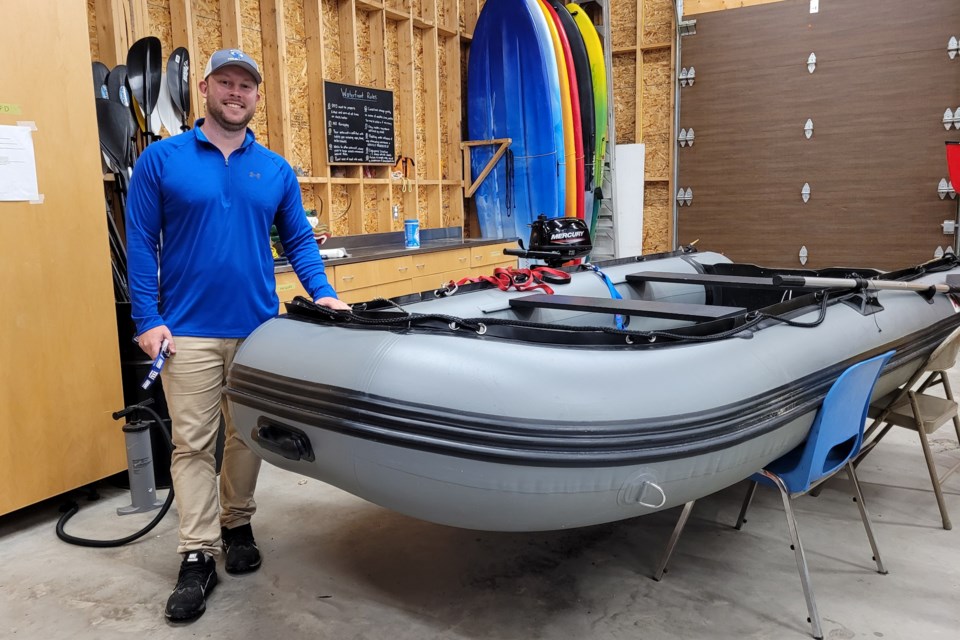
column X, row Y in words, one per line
column 555, row 241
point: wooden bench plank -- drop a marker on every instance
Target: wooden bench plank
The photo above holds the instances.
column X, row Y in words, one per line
column 652, row 309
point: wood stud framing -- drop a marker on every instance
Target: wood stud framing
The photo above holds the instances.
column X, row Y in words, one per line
column 429, row 100
column 433, row 193
column 643, row 46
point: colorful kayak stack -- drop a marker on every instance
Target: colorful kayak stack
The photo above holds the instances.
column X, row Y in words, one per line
column 537, row 76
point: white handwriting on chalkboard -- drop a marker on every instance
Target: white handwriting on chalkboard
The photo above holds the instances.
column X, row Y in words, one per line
column 357, row 94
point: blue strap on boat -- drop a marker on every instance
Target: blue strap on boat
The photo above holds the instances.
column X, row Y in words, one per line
column 622, row 321
column 157, row 365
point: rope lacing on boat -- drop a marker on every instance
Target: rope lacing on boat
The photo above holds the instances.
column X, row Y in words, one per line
column 406, row 319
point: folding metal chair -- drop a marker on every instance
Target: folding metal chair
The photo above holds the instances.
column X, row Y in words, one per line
column 833, row 442
column 922, row 412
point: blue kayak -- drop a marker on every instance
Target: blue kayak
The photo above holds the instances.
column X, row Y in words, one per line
column 513, row 91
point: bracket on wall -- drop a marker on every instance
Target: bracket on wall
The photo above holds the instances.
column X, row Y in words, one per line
column 469, row 188
column 687, row 27
column 953, row 47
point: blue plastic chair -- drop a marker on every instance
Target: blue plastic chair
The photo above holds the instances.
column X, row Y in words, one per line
column 832, row 443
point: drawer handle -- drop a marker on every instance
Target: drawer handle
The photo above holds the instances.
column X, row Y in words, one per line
column 421, row 266
column 402, row 269
column 347, row 278
column 463, row 258
column 478, row 257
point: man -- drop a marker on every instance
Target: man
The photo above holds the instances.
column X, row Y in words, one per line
column 199, row 213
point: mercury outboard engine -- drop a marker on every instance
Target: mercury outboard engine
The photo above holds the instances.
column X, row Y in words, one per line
column 555, row 241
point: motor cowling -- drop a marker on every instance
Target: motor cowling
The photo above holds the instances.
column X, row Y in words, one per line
column 569, row 237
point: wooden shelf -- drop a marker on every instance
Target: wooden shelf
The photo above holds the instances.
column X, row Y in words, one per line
column 311, row 180
column 394, row 14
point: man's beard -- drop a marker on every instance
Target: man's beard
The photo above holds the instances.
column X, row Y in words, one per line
column 215, row 112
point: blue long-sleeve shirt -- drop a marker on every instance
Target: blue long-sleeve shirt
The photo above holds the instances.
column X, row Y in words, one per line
column 198, row 237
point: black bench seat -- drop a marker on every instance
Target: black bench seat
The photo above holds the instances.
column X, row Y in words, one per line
column 651, row 309
column 735, row 282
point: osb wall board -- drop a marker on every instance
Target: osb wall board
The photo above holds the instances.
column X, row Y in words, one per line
column 657, row 212
column 159, row 14
column 206, row 34
column 625, row 97
column 693, row 7
column 92, row 30
column 419, row 95
column 657, row 116
column 657, row 22
column 331, row 41
column 623, row 23
column 341, row 203
column 370, row 208
column 446, row 110
column 393, row 80
column 298, row 91
column 364, row 61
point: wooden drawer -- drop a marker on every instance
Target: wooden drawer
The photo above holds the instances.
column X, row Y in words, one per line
column 490, row 254
column 432, row 263
column 356, row 276
column 388, row 290
column 394, row 269
column 437, row 280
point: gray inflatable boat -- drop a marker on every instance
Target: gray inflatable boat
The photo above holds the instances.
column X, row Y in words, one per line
column 524, row 410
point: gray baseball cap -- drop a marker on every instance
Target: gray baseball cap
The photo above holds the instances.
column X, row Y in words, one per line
column 235, row 57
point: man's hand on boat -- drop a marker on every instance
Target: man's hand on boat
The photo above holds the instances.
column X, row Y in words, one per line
column 333, row 303
column 151, row 340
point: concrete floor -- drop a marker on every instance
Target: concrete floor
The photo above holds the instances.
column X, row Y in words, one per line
column 336, row 567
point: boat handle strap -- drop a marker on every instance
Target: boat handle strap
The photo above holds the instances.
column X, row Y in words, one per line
column 663, row 496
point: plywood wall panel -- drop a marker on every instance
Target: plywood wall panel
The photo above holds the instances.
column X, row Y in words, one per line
column 92, row 29
column 623, row 23
column 420, row 99
column 657, row 214
column 625, row 97
column 657, row 116
column 657, row 22
column 331, row 41
column 159, row 14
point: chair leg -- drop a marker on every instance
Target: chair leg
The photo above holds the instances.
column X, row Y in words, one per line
column 752, row 489
column 865, row 516
column 672, row 543
column 932, row 469
column 814, row 616
column 948, row 391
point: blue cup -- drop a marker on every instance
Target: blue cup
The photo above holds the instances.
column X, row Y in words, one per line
column 411, row 234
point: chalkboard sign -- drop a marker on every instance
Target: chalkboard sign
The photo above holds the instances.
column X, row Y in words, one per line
column 359, row 124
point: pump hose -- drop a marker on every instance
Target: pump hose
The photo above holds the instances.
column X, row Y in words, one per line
column 73, row 507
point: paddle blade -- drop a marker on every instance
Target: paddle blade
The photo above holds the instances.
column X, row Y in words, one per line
column 119, row 92
column 100, row 73
column 112, row 125
column 144, row 70
column 167, row 111
column 178, row 83
column 137, row 111
column 953, row 163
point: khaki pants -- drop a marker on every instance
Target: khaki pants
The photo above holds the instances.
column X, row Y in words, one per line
column 193, row 383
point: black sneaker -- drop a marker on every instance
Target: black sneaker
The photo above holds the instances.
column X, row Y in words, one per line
column 241, row 550
column 198, row 577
